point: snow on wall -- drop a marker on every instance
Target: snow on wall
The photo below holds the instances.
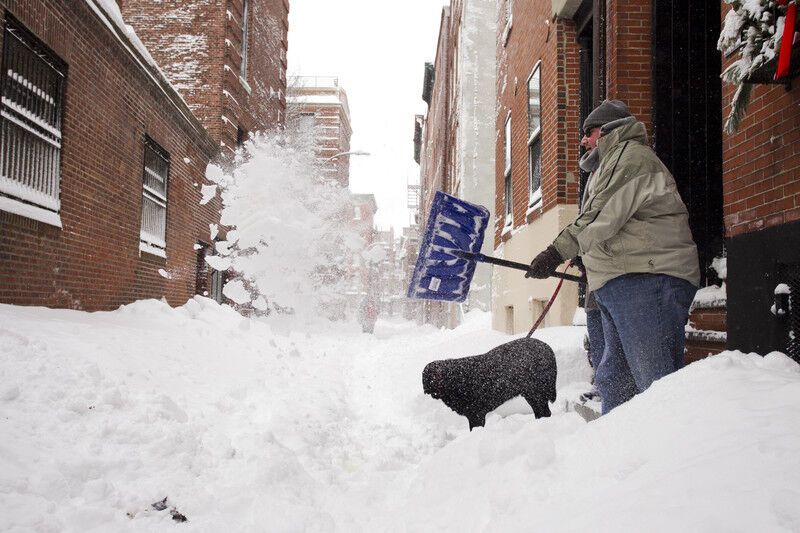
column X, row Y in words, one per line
column 182, row 46
column 476, row 123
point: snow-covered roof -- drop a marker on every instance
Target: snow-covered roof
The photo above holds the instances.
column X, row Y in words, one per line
column 329, row 99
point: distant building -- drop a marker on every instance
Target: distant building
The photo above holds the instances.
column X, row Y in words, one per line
column 407, row 259
column 454, row 141
column 320, row 104
column 363, row 277
column 436, row 158
column 101, row 162
column 226, row 59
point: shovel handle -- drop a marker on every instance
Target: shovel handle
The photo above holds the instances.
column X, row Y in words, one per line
column 513, row 264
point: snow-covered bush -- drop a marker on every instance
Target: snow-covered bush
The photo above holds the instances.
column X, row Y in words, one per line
column 756, row 28
column 290, row 241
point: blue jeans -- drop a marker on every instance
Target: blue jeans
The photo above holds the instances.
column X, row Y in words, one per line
column 644, row 316
column 594, row 327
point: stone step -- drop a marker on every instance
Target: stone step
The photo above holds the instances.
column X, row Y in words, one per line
column 706, row 333
column 709, row 319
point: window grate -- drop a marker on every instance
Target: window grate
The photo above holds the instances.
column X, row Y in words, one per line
column 243, row 51
column 154, row 195
column 32, row 80
column 793, row 341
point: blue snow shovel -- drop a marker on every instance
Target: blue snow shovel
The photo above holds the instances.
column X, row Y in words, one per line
column 450, row 249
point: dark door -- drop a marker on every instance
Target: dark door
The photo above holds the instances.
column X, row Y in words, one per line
column 687, row 114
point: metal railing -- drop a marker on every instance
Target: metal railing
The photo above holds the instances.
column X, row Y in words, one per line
column 154, row 195
column 30, row 119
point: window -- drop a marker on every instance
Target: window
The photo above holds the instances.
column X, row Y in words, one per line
column 306, row 123
column 154, row 199
column 245, row 23
column 507, row 172
column 33, row 81
column 217, row 284
column 535, row 137
column 357, row 213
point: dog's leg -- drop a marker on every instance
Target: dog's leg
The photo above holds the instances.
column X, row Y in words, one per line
column 474, row 421
column 541, row 409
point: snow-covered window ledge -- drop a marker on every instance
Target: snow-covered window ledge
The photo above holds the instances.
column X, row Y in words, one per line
column 508, row 228
column 535, row 202
column 507, row 30
column 245, row 85
column 147, row 248
column 32, row 212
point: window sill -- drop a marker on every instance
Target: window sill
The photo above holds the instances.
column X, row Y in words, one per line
column 147, row 248
column 507, row 30
column 533, row 211
column 507, row 229
column 30, row 211
column 535, row 203
column 245, row 85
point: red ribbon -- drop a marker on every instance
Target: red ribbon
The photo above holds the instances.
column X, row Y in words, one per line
column 785, row 53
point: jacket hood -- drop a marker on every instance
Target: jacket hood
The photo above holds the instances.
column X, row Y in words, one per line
column 634, row 131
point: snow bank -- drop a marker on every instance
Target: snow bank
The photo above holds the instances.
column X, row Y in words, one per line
column 244, row 427
column 710, row 448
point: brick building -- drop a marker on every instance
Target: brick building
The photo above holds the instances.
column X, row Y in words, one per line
column 742, row 190
column 656, row 56
column 319, row 104
column 761, row 207
column 227, row 59
column 536, row 154
column 101, row 165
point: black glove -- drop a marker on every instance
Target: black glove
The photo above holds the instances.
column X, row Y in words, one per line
column 578, row 263
column 544, row 265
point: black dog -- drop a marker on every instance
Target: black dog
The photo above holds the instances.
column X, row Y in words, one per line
column 474, row 386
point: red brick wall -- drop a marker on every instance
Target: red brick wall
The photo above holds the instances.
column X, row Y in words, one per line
column 198, row 46
column 761, row 161
column 535, row 37
column 110, row 103
column 629, row 75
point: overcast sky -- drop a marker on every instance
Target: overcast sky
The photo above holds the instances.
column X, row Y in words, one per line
column 378, row 49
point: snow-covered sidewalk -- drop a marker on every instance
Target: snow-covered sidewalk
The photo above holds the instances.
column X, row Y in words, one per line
column 245, row 426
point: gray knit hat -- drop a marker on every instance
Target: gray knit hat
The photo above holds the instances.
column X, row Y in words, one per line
column 608, row 111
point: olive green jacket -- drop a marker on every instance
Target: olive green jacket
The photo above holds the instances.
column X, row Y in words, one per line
column 633, row 219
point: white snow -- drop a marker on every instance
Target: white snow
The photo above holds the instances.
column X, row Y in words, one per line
column 782, row 288
column 244, row 426
column 720, row 264
column 33, row 212
column 236, row 291
column 209, row 192
column 290, row 233
column 711, row 296
column 579, row 319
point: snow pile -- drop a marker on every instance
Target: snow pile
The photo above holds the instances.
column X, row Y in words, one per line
column 711, row 448
column 292, row 240
column 246, row 428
